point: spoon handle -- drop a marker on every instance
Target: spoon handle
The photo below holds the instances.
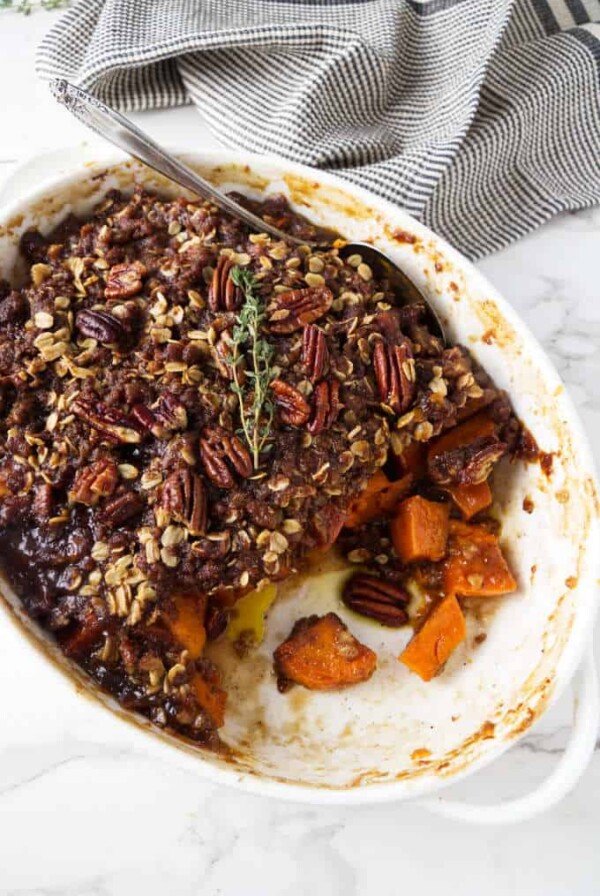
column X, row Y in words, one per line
column 123, row 133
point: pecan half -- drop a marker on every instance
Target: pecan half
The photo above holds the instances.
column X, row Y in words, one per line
column 223, row 294
column 122, row 508
column 373, row 597
column 293, row 407
column 220, row 450
column 315, row 354
column 125, row 280
column 94, row 482
column 145, row 417
column 295, row 308
column 222, row 356
column 111, row 423
column 468, row 464
column 169, row 415
column 100, row 325
column 395, row 374
column 326, row 406
column 183, row 496
column 223, row 359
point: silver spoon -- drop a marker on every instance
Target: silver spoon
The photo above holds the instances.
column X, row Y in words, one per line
column 123, row 133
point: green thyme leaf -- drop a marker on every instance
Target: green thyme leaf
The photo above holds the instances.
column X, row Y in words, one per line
column 249, row 344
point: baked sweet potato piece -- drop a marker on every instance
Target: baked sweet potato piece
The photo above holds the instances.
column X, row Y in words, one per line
column 475, row 566
column 322, row 655
column 412, row 460
column 429, row 648
column 419, row 529
column 210, row 695
column 187, row 623
column 476, row 427
column 470, row 499
column 474, row 405
column 466, row 454
column 380, row 498
column 360, row 509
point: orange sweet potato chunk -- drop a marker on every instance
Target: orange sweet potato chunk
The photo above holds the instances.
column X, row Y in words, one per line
column 322, row 655
column 419, row 529
column 470, row 499
column 187, row 623
column 390, row 497
column 429, row 648
column 473, row 406
column 210, row 696
column 474, row 428
column 380, row 498
column 475, row 566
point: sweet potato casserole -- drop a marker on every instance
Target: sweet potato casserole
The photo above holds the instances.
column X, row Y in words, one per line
column 189, row 411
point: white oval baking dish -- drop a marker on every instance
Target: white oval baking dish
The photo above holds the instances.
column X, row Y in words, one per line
column 396, row 737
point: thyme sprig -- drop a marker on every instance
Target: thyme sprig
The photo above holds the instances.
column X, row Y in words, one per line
column 252, row 386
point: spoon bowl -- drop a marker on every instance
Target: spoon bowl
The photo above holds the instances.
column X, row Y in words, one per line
column 407, row 293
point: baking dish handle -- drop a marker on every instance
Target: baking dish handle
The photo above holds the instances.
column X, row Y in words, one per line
column 572, row 764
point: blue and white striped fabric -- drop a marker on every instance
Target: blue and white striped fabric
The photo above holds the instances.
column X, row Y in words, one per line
column 481, row 117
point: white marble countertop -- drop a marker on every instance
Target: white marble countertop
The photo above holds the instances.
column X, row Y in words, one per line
column 79, row 817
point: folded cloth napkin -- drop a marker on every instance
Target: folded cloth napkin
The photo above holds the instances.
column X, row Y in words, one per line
column 480, row 117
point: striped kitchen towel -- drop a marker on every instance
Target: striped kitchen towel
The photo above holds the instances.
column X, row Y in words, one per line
column 480, row 117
